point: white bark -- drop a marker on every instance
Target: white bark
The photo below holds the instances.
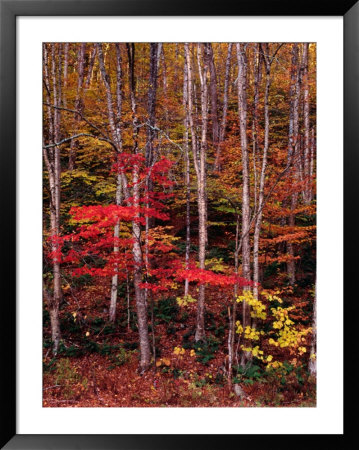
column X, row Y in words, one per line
column 222, row 127
column 136, row 230
column 293, row 151
column 187, row 172
column 52, row 161
column 116, row 135
column 246, row 249
column 259, row 213
column 313, row 348
column 78, row 102
column 199, row 159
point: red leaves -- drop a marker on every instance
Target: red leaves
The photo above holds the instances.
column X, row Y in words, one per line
column 203, row 276
column 101, row 254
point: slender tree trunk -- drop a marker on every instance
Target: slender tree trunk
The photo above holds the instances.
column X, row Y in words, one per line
column 116, row 134
column 119, row 182
column 213, row 96
column 52, row 161
column 306, row 110
column 313, row 348
column 257, row 64
column 149, row 160
column 151, row 131
column 202, row 210
column 293, row 152
column 187, row 173
column 138, row 278
column 259, row 213
column 78, row 102
column 222, row 128
column 311, row 165
column 199, row 159
column 246, row 249
column 66, row 65
column 90, row 67
column 136, row 230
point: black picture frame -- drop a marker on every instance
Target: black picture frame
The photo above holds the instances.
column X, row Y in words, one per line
column 9, row 10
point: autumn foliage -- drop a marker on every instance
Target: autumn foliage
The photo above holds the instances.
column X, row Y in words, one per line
column 150, row 171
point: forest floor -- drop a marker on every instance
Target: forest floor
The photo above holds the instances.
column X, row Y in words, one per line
column 97, row 365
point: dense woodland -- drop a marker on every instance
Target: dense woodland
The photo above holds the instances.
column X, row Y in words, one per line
column 179, row 224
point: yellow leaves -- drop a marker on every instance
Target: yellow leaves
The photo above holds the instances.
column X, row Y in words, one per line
column 192, row 353
column 68, row 177
column 251, row 333
column 104, row 188
column 258, row 308
column 269, row 358
column 259, row 354
column 163, row 362
column 215, row 264
column 273, row 342
column 272, row 296
column 288, row 334
column 179, row 351
column 274, row 365
column 161, row 234
column 185, row 300
column 239, row 329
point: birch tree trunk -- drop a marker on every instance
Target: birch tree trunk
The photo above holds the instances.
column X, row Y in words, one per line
column 149, row 160
column 264, row 57
column 115, row 129
column 306, row 153
column 246, row 249
column 214, row 97
column 259, row 211
column 313, row 348
column 52, row 162
column 151, row 124
column 187, row 172
column 136, row 230
column 312, row 159
column 199, row 159
column 222, row 128
column 90, row 67
column 257, row 68
column 78, row 102
column 66, row 65
column 293, row 151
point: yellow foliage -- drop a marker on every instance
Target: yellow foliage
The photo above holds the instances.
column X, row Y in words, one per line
column 185, row 300
column 258, row 308
column 215, row 264
column 179, row 351
column 163, row 362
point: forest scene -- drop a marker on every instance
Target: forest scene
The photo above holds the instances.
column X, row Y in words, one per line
column 179, row 224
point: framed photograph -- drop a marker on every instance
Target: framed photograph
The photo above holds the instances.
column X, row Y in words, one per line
column 174, row 253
